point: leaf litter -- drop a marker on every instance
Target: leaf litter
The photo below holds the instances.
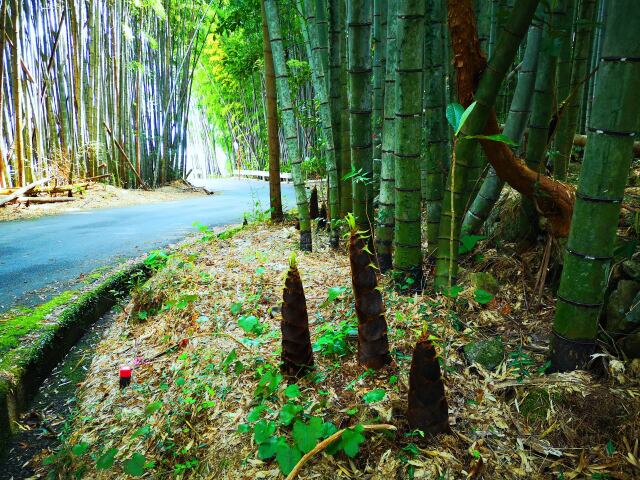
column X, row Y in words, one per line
column 207, row 398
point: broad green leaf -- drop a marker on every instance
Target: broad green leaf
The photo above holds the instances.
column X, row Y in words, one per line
column 451, row 292
column 153, row 407
column 482, row 296
column 292, row 391
column 106, row 460
column 374, row 395
column 263, row 430
column 135, row 465
column 269, row 448
column 142, row 431
column 79, row 449
column 289, row 412
column 236, row 308
column 287, row 458
column 454, row 112
column 249, row 324
column 465, row 116
column 328, row 429
column 351, row 440
column 306, row 435
column 468, row 243
column 244, row 428
column 335, row 292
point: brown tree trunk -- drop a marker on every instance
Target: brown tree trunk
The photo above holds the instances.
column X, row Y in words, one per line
column 553, row 199
column 275, row 195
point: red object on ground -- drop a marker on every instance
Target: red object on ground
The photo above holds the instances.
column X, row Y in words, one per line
column 125, row 376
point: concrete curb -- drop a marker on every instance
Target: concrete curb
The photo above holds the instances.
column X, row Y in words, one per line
column 19, row 385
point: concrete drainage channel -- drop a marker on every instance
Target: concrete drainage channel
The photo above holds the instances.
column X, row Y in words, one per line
column 32, row 363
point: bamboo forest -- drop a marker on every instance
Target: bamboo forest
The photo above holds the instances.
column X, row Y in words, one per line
column 320, row 239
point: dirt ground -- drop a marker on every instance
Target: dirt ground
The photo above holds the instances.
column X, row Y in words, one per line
column 208, row 401
column 100, row 195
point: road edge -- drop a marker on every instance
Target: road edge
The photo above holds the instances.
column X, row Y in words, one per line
column 33, row 364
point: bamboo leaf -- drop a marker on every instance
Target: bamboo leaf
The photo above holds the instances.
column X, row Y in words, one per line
column 498, row 137
column 454, row 113
column 464, row 117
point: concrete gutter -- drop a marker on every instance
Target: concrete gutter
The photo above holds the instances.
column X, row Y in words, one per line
column 34, row 361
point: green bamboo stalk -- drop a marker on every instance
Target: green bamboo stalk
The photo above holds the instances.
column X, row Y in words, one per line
column 544, row 94
column 605, row 168
column 407, row 259
column 321, row 47
column 569, row 120
column 314, row 51
column 271, row 97
column 335, row 84
column 288, row 121
column 465, row 149
column 359, row 19
column 386, row 199
column 514, row 129
column 437, row 131
column 379, row 9
column 346, row 185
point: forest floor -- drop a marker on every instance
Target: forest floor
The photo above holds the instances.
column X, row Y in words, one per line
column 101, row 195
column 207, row 399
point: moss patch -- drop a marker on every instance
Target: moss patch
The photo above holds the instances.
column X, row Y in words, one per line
column 15, row 326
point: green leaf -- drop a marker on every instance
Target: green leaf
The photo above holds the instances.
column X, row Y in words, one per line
column 611, row 448
column 497, row 137
column 287, row 458
column 135, row 465
column 374, row 395
column 153, row 407
column 454, row 113
column 306, row 435
column 105, row 462
column 292, row 391
column 465, row 116
column 79, row 449
column 269, row 448
column 328, row 429
column 142, row 431
column 249, row 324
column 482, row 297
column 288, row 413
column 236, row 308
column 263, row 430
column 335, row 292
column 451, row 292
column 233, row 354
column 469, row 242
column 244, row 428
column 351, row 440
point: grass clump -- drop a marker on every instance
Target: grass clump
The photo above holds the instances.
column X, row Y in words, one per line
column 18, row 323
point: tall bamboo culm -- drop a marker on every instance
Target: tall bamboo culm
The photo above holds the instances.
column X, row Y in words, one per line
column 289, row 121
column 612, row 128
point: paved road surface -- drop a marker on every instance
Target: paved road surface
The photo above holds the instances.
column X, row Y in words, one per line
column 41, row 256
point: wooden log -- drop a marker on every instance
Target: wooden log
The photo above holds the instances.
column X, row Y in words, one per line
column 21, row 191
column 62, row 188
column 39, row 200
column 96, row 178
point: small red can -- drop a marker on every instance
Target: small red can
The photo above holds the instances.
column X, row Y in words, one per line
column 125, row 376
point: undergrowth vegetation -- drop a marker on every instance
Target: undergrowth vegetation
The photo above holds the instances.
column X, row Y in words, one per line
column 208, row 398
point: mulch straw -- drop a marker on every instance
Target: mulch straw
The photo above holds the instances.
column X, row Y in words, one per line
column 183, row 409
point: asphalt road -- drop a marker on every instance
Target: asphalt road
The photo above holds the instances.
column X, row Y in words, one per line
column 42, row 256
